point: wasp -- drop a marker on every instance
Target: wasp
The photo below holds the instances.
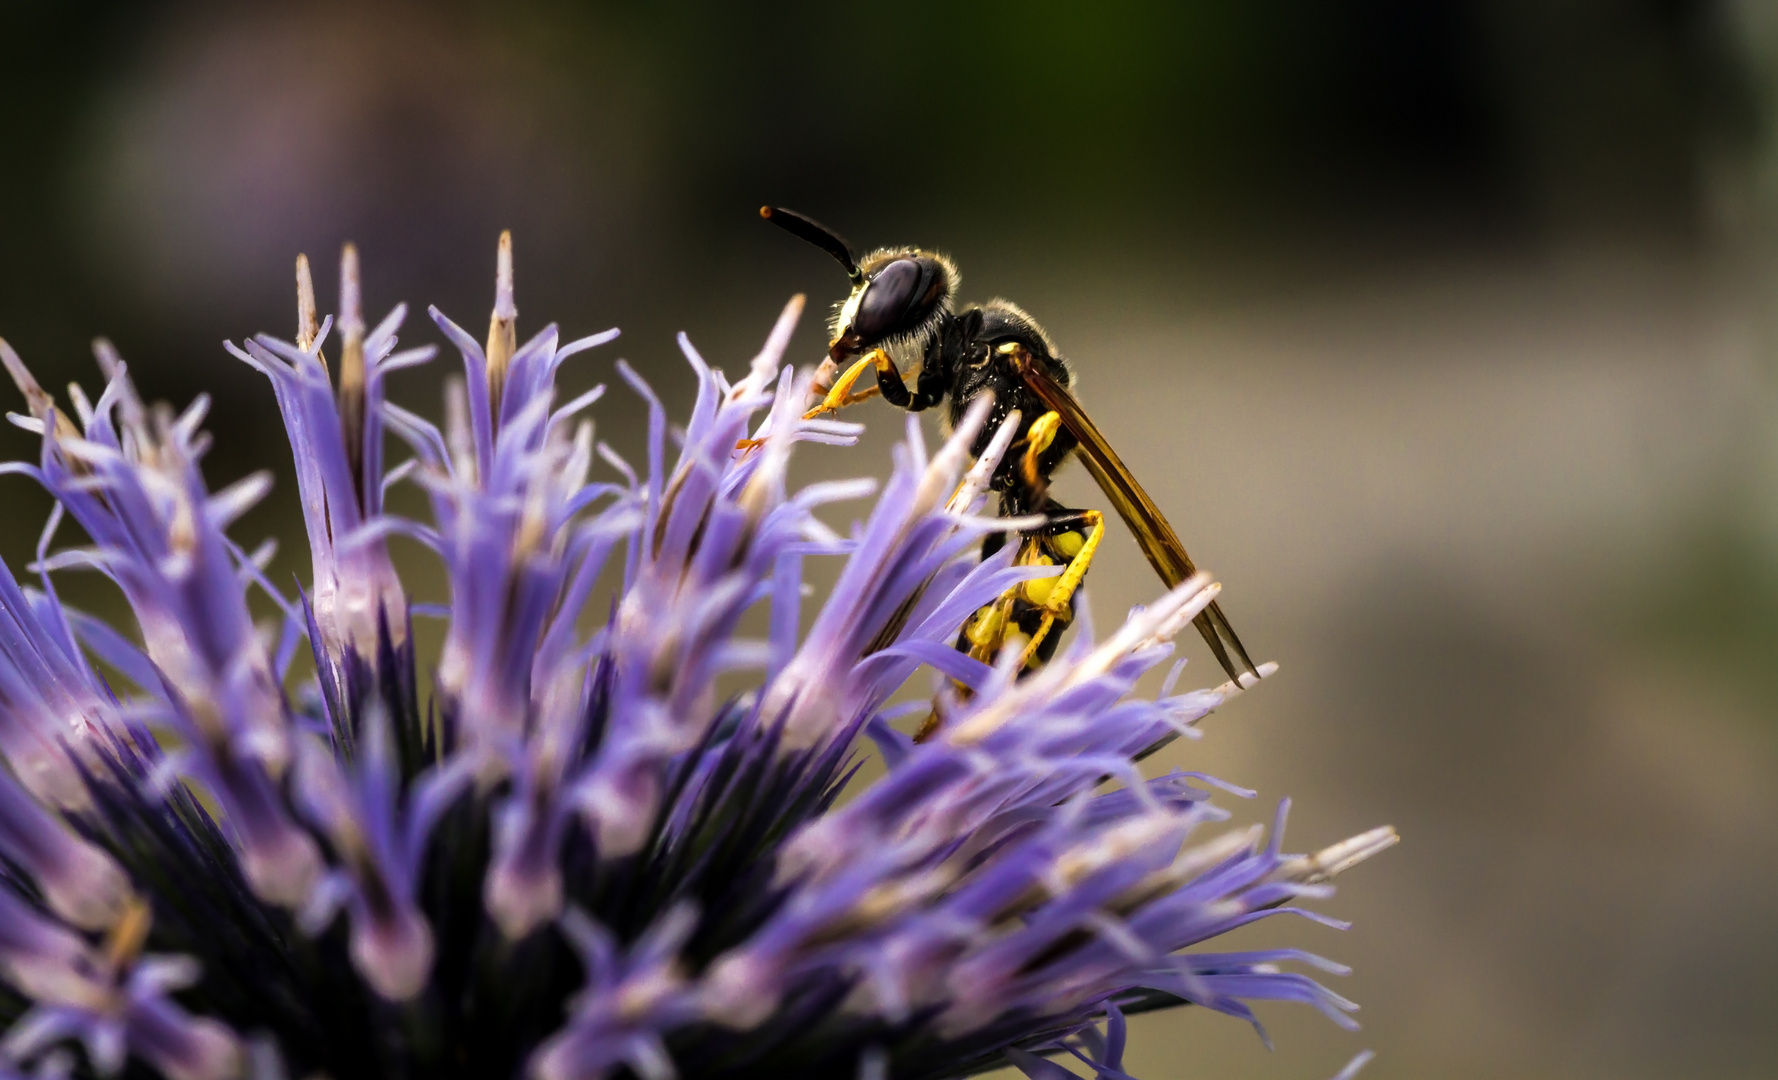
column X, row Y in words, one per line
column 901, row 320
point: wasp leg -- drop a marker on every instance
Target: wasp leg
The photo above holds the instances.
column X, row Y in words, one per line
column 841, row 395
column 991, row 628
column 1054, row 597
column 1030, row 616
column 988, row 631
column 934, row 720
column 1038, row 438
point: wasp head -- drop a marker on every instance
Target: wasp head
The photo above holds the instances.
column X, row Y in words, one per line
column 902, row 299
column 900, row 296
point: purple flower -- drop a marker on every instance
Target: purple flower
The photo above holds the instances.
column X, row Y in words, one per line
column 607, row 836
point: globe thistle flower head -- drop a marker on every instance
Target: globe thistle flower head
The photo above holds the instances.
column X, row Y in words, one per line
column 574, row 850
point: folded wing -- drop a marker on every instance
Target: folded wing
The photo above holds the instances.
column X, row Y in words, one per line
column 1158, row 540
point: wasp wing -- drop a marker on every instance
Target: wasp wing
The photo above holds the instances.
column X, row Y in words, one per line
column 1155, row 536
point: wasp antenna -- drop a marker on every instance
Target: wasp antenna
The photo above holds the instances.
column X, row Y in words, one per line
column 815, row 233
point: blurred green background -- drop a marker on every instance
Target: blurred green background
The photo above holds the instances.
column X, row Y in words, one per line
column 1443, row 330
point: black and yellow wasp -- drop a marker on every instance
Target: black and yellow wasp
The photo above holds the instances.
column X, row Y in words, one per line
column 901, row 318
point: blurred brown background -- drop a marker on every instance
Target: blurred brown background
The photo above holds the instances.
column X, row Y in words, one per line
column 1443, row 330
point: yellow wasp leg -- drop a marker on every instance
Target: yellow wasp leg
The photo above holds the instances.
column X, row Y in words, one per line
column 841, row 394
column 987, row 631
column 1044, row 626
column 1038, row 439
column 934, row 720
column 1053, row 595
column 992, row 629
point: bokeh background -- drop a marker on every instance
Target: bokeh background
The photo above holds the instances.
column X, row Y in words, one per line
column 1443, row 330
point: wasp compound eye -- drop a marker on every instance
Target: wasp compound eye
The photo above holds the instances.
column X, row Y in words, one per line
column 900, row 297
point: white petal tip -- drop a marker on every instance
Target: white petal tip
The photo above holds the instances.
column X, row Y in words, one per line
column 351, row 307
column 1247, row 680
column 504, row 306
column 1346, row 854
